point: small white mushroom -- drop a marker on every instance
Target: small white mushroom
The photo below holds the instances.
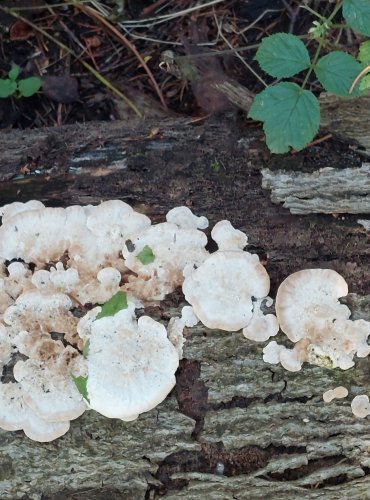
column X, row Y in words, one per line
column 337, row 393
column 261, row 327
column 227, row 237
column 274, row 353
column 184, row 218
column 360, row 406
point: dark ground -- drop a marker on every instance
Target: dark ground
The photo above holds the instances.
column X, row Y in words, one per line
column 71, row 94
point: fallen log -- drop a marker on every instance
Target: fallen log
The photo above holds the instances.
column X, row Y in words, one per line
column 234, row 426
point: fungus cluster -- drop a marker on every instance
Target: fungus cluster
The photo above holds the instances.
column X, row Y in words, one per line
column 71, row 280
column 311, row 316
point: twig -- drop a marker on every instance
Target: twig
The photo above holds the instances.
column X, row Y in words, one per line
column 236, row 53
column 92, row 12
column 100, row 77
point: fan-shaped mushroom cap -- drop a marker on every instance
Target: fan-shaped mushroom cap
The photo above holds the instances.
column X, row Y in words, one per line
column 184, row 218
column 34, row 310
column 48, row 387
column 142, row 364
column 92, row 236
column 360, row 406
column 36, row 236
column 307, row 298
column 221, row 289
column 16, row 415
column 8, row 211
column 173, row 248
column 310, row 314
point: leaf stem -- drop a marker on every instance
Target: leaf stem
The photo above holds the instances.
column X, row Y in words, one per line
column 321, row 43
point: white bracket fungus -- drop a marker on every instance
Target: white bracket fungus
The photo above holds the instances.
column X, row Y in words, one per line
column 70, row 280
column 221, row 289
column 54, row 260
column 310, row 315
column 142, row 364
column 173, row 248
column 361, row 406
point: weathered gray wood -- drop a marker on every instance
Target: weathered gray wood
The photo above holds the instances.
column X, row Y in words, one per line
column 233, row 427
column 327, row 190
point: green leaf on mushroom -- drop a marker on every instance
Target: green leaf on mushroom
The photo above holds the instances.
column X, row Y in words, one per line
column 114, row 304
column 86, row 348
column 146, row 256
column 81, row 385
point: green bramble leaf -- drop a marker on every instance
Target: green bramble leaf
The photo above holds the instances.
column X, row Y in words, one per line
column 86, row 348
column 291, row 116
column 14, row 72
column 357, row 15
column 114, row 304
column 336, row 72
column 364, row 53
column 282, row 55
column 365, row 83
column 81, row 385
column 29, row 86
column 146, row 256
column 7, row 88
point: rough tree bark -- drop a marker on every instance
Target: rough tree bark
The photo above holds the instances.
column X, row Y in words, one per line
column 233, row 427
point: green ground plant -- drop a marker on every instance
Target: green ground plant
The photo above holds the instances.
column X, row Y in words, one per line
column 24, row 87
column 290, row 113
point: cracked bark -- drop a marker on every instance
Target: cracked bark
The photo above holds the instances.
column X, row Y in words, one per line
column 233, row 427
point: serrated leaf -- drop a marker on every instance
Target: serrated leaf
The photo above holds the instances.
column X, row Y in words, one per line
column 114, row 304
column 365, row 83
column 81, row 385
column 336, row 72
column 357, row 15
column 282, row 55
column 364, row 53
column 7, row 88
column 14, row 72
column 86, row 348
column 290, row 114
column 146, row 256
column 29, row 86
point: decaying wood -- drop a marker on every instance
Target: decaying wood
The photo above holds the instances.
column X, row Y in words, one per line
column 347, row 117
column 233, row 427
column 328, row 190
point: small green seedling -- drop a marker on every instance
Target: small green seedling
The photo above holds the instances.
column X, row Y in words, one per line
column 290, row 113
column 114, row 304
column 25, row 87
column 146, row 256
